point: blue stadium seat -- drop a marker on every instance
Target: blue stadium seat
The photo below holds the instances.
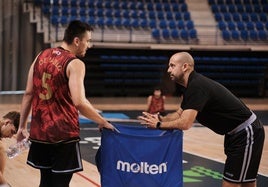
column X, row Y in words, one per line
column 235, row 35
column 134, row 14
column 249, row 8
column 152, row 24
column 118, row 22
column 126, row 23
column 158, row 7
column 226, row 35
column 165, row 34
column 91, row 12
column 193, row 34
column 231, row 25
column 231, row 8
column 124, row 5
column 244, row 35
column 109, row 22
column 144, row 23
column 64, row 20
column 178, row 16
column 142, row 15
column 65, row 11
column 253, row 35
column 189, row 24
column 262, row 35
column 108, row 13
column 115, row 5
column 169, row 15
column 135, row 23
column 223, row 8
column 91, row 21
column 117, row 13
column 236, row 16
column 126, row 14
column 160, row 15
column 259, row 25
column 222, row 25
column 186, row 16
column 74, row 11
column 240, row 25
column 172, row 24
column 257, row 8
column 218, row 16
column 254, row 16
column 183, row 7
column 156, row 33
column 175, row 34
column 150, row 6
column 184, row 34
column 180, row 24
column 245, row 16
column 152, row 15
column 240, row 8
column 227, row 16
column 167, row 7
column 263, row 17
column 250, row 25
column 175, row 7
column 100, row 21
column 54, row 20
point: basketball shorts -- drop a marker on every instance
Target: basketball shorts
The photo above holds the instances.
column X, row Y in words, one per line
column 62, row 157
column 243, row 150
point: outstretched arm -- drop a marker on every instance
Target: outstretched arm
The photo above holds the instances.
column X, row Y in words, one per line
column 182, row 122
column 76, row 74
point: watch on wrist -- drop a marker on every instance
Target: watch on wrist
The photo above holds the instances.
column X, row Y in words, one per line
column 158, row 124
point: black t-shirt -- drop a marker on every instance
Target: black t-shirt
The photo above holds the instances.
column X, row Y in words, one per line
column 218, row 109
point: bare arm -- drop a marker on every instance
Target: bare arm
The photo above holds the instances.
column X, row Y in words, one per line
column 149, row 99
column 183, row 122
column 171, row 116
column 26, row 106
column 76, row 74
column 2, row 164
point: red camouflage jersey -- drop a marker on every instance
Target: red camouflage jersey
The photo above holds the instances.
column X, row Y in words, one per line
column 54, row 116
column 156, row 105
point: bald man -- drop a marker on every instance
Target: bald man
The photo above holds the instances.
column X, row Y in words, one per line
column 215, row 107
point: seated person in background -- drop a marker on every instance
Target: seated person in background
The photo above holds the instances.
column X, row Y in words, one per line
column 156, row 102
column 8, row 127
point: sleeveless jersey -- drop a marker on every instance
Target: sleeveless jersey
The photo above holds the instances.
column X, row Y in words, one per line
column 54, row 116
column 156, row 105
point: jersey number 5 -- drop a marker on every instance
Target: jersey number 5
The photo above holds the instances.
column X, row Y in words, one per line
column 46, row 86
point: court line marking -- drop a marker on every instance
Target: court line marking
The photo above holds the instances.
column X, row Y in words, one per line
column 215, row 160
column 88, row 179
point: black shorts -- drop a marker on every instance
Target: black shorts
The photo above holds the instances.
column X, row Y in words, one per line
column 60, row 158
column 244, row 150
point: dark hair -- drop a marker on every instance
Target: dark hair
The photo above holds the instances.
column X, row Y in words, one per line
column 75, row 28
column 14, row 116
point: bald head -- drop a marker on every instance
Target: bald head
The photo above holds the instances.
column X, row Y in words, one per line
column 183, row 58
column 180, row 66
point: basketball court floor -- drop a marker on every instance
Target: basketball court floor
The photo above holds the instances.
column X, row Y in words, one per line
column 203, row 155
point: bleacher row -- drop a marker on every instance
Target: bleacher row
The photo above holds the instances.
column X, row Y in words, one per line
column 127, row 73
column 238, row 20
column 241, row 20
column 165, row 20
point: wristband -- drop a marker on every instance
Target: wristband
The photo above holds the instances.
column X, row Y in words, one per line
column 158, row 124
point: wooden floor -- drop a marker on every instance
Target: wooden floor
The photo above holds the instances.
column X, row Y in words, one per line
column 199, row 141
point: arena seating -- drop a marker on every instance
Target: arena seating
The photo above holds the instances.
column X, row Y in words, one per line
column 165, row 17
column 241, row 20
column 135, row 72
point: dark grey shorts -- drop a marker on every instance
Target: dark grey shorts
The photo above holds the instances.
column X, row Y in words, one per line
column 60, row 158
column 243, row 150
